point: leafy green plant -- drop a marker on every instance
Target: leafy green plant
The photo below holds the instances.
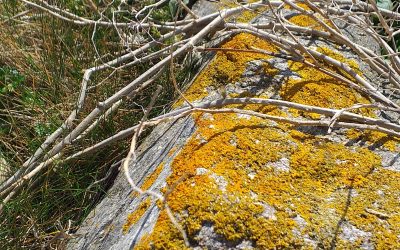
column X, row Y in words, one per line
column 31, row 98
column 162, row 14
column 385, row 4
column 10, row 80
column 174, row 7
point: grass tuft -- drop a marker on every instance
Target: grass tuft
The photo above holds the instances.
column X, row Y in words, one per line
column 41, row 63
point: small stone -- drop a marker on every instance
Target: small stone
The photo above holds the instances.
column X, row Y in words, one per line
column 269, row 211
column 353, row 234
column 251, row 175
column 201, row 171
column 282, row 165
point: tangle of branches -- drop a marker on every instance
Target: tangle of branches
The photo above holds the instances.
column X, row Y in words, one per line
column 192, row 32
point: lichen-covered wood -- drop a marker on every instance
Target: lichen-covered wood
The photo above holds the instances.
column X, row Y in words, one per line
column 235, row 181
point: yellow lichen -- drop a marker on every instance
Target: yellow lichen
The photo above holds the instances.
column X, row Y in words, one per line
column 239, row 151
column 246, row 15
column 301, row 5
column 136, row 215
column 244, row 193
column 150, row 179
column 170, row 237
column 318, row 89
column 374, row 138
column 339, row 57
column 305, row 21
column 308, row 21
column 227, row 66
column 172, row 151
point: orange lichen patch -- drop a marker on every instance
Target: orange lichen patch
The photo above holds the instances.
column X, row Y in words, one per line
column 252, row 180
column 235, row 141
column 171, row 238
column 227, row 66
column 336, row 165
column 150, row 179
column 374, row 138
column 381, row 194
column 172, row 151
column 268, row 109
column 241, row 152
column 245, row 16
column 136, row 215
column 269, row 70
column 305, row 21
column 318, row 89
column 339, row 57
column 301, row 5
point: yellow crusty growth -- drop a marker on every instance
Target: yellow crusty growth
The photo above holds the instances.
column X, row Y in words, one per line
column 301, row 5
column 318, row 89
column 136, row 215
column 139, row 212
column 376, row 139
column 244, row 16
column 149, row 181
column 152, row 178
column 240, row 180
column 228, row 66
column 241, row 187
column 305, row 21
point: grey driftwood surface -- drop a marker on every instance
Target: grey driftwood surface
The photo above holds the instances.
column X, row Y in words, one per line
column 102, row 229
column 112, row 211
column 97, row 230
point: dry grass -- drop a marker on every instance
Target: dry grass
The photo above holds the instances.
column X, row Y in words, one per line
column 42, row 58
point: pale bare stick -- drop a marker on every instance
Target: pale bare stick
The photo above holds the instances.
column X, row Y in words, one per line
column 132, row 151
column 68, row 122
column 12, row 190
column 184, row 111
column 21, row 14
column 132, row 158
column 381, row 65
column 382, row 21
column 298, row 44
column 103, row 106
column 321, row 56
column 392, row 73
column 188, row 10
column 344, row 39
column 298, row 122
column 335, row 118
column 358, row 121
column 115, row 106
column 36, row 165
